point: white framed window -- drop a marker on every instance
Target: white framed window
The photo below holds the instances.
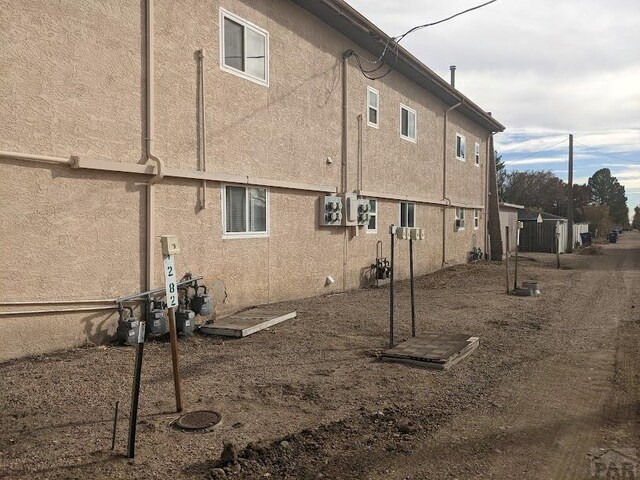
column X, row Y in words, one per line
column 408, row 123
column 407, row 214
column 372, row 226
column 476, row 153
column 461, row 147
column 459, row 218
column 373, row 107
column 476, row 218
column 244, row 48
column 245, row 211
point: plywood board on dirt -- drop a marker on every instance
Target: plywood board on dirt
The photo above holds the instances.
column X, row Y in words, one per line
column 437, row 350
column 245, row 323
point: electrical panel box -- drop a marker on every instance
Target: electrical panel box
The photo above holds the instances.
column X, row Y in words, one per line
column 331, row 211
column 170, row 244
column 402, row 233
column 416, row 234
column 363, row 211
column 351, row 209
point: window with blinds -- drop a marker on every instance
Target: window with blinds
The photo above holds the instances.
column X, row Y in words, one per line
column 245, row 210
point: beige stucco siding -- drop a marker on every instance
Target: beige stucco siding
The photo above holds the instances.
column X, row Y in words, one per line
column 72, row 83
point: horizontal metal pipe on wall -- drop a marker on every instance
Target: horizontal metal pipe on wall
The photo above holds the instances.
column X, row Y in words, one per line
column 58, row 310
column 56, row 302
column 148, row 169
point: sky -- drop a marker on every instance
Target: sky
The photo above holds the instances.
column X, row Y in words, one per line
column 545, row 69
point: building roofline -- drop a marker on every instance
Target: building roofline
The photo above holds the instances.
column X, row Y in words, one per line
column 351, row 23
column 511, row 205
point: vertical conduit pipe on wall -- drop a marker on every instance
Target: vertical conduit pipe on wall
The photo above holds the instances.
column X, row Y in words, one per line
column 344, row 181
column 203, row 131
column 444, row 184
column 149, row 123
column 486, row 198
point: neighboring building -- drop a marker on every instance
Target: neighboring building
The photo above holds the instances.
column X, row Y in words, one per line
column 289, row 119
column 509, row 218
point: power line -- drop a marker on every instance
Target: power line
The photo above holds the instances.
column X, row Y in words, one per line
column 420, row 27
column 546, row 149
column 397, row 41
column 605, row 154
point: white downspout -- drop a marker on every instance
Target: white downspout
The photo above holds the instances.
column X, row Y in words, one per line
column 444, row 184
column 203, row 130
column 486, row 198
column 150, row 117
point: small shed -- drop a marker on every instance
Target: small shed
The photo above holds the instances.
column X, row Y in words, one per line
column 509, row 218
column 539, row 232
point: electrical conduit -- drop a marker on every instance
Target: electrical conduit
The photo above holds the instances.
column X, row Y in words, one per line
column 444, row 184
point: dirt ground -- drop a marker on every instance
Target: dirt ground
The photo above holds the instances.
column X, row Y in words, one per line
column 554, row 377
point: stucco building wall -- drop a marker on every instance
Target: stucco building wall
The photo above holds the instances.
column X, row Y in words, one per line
column 73, row 83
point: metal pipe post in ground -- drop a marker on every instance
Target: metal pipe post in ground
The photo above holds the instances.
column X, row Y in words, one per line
column 392, row 229
column 173, row 335
column 413, row 305
column 506, row 258
column 135, row 393
column 557, row 245
column 515, row 273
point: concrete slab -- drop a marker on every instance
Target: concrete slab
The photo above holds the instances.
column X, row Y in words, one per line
column 247, row 322
column 437, row 350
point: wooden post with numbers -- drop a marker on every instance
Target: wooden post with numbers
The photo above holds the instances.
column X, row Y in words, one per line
column 170, row 246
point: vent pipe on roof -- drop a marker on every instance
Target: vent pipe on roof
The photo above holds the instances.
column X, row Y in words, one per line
column 453, row 75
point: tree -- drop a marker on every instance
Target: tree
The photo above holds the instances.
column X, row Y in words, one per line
column 599, row 218
column 636, row 218
column 606, row 190
column 536, row 190
column 581, row 198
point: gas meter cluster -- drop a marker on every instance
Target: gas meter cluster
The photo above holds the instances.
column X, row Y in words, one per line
column 157, row 324
column 344, row 211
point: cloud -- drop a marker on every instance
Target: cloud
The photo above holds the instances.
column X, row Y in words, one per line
column 544, row 68
column 535, row 161
column 562, row 65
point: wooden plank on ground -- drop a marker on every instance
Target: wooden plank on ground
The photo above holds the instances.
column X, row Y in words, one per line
column 439, row 351
column 248, row 322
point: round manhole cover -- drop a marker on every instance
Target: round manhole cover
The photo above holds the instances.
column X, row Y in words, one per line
column 198, row 420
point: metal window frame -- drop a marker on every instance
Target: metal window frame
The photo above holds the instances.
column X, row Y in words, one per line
column 375, row 215
column 415, row 214
column 245, row 24
column 377, row 109
column 246, row 233
column 463, row 141
column 415, row 114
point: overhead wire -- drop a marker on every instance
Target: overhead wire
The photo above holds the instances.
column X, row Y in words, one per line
column 614, row 157
column 544, row 150
column 396, row 40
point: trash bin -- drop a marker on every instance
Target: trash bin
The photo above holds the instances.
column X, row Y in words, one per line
column 613, row 237
column 585, row 239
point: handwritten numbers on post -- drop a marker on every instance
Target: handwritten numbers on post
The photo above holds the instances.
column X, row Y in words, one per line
column 170, row 281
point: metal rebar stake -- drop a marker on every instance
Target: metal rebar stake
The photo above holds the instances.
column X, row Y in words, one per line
column 135, row 393
column 115, row 426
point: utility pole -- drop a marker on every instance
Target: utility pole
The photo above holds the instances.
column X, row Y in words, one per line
column 570, row 203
